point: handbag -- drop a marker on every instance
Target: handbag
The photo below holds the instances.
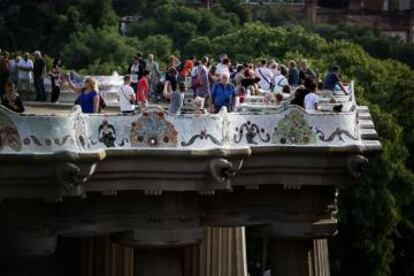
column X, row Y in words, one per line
column 166, row 92
column 196, row 80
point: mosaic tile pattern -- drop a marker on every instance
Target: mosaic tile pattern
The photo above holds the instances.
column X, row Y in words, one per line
column 153, row 130
column 293, row 129
column 9, row 135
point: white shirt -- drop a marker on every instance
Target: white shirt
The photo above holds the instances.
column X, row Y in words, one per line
column 310, row 100
column 194, row 71
column 23, row 74
column 134, row 71
column 222, row 69
column 266, row 77
column 280, row 81
column 125, row 92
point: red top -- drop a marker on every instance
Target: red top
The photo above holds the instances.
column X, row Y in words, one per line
column 187, row 68
column 142, row 92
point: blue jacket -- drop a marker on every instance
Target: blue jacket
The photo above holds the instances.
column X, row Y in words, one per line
column 223, row 95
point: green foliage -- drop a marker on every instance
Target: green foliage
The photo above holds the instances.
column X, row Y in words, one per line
column 199, row 47
column 105, row 68
column 371, row 40
column 161, row 46
column 105, row 45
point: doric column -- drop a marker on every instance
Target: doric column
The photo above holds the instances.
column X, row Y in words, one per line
column 223, row 252
column 94, row 256
column 299, row 257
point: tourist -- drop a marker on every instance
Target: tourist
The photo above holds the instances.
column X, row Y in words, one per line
column 4, row 72
column 141, row 64
column 88, row 98
column 293, row 75
column 186, row 69
column 212, row 76
column 305, row 72
column 143, row 87
column 279, row 98
column 25, row 76
column 172, row 78
column 177, row 100
column 286, row 89
column 333, row 81
column 266, row 76
column 11, row 99
column 152, row 66
column 134, row 72
column 172, row 63
column 198, row 104
column 39, row 72
column 273, row 67
column 14, row 69
column 55, row 77
column 195, row 78
column 223, row 67
column 239, row 75
column 311, row 101
column 223, row 94
column 300, row 94
column 126, row 96
column 203, row 88
column 280, row 80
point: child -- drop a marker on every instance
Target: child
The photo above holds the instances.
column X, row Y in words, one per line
column 198, row 104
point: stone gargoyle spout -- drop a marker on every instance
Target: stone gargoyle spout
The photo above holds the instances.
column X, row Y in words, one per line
column 222, row 170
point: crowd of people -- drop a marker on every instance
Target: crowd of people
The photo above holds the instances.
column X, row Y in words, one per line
column 22, row 73
column 213, row 85
column 224, row 84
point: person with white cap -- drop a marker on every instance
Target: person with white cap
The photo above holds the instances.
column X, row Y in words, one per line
column 39, row 73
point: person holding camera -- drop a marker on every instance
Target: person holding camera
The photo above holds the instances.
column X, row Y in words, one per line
column 126, row 96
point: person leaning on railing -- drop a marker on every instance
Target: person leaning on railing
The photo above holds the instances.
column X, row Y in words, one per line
column 11, row 99
column 223, row 94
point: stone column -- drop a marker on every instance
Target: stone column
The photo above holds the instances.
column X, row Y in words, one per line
column 299, row 257
column 94, row 256
column 223, row 252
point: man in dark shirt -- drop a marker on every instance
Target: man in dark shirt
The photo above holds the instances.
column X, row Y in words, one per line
column 293, row 76
column 300, row 95
column 333, row 79
column 4, row 72
column 39, row 71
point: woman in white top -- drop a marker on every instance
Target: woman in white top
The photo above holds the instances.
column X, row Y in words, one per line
column 280, row 80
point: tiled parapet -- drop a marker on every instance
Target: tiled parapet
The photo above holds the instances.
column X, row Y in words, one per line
column 155, row 129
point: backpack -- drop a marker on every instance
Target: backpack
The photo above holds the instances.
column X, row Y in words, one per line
column 196, row 80
column 102, row 103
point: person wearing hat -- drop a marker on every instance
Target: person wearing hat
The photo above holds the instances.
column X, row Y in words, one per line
column 39, row 72
column 333, row 81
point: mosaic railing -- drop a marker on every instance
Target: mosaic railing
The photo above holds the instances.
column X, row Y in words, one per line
column 155, row 129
